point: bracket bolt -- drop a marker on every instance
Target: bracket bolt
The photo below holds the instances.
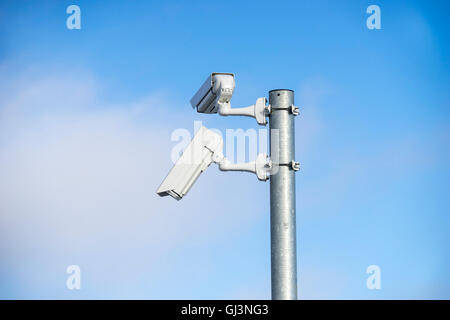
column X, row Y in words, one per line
column 295, row 165
column 295, row 111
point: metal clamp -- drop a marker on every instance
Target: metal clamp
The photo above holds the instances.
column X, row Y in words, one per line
column 295, row 165
column 292, row 109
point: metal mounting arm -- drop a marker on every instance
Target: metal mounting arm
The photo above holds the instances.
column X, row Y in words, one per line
column 259, row 110
column 261, row 166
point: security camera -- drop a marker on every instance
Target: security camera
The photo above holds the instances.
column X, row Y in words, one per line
column 215, row 94
column 205, row 148
column 195, row 159
column 218, row 87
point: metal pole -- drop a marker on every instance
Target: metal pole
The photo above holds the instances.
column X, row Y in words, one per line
column 282, row 196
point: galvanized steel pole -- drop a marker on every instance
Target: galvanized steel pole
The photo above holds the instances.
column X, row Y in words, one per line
column 282, row 196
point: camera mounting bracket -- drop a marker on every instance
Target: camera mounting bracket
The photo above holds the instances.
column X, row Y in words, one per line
column 261, row 166
column 259, row 110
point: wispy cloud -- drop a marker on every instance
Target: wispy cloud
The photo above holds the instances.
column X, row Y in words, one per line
column 78, row 186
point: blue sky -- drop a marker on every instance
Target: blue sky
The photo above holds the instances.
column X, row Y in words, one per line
column 85, row 123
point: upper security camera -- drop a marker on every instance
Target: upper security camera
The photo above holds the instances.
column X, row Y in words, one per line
column 205, row 148
column 215, row 94
column 218, row 87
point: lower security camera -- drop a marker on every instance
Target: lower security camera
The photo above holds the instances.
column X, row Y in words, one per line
column 195, row 159
column 205, row 148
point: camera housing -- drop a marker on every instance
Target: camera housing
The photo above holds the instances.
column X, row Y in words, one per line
column 206, row 147
column 215, row 94
column 195, row 159
column 218, row 88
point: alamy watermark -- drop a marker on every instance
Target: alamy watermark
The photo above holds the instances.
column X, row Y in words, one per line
column 374, row 20
column 373, row 282
column 239, row 145
column 74, row 20
column 74, row 279
column 235, row 142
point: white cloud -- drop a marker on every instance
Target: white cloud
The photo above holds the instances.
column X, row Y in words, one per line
column 78, row 180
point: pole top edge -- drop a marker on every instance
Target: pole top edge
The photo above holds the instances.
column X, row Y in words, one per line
column 281, row 90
